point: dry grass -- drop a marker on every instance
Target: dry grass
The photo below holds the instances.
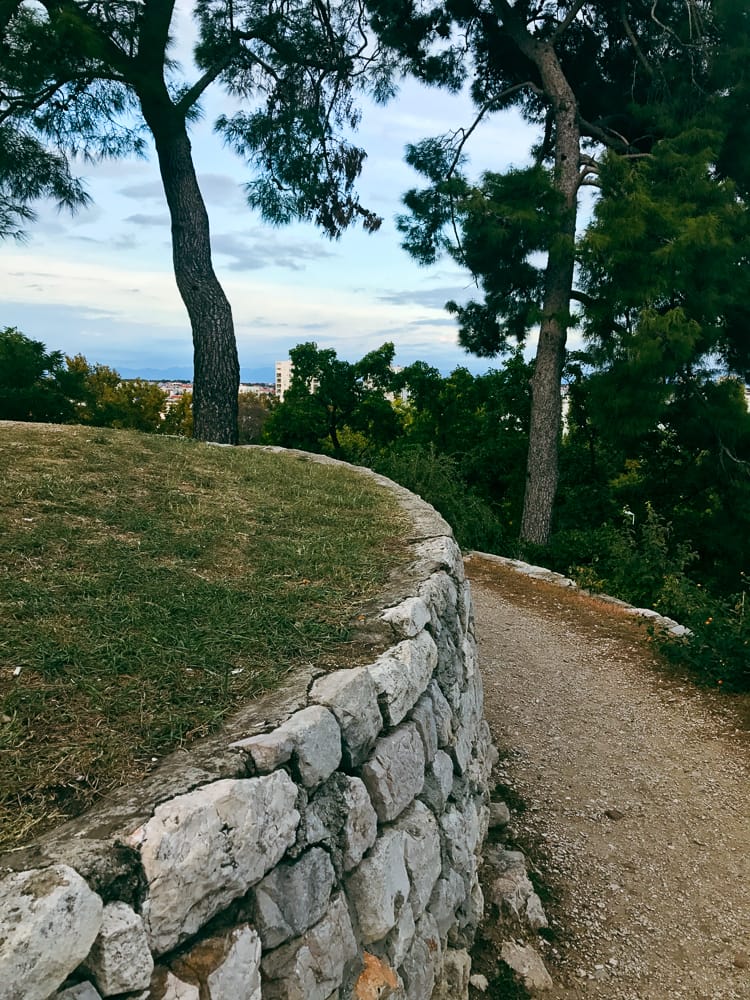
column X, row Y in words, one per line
column 150, row 585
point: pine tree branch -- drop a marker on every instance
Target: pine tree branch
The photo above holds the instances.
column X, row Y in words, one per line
column 607, row 137
column 724, row 451
column 588, row 176
column 634, row 41
column 193, row 94
column 567, row 21
column 466, row 133
column 14, row 105
column 664, row 27
column 587, row 300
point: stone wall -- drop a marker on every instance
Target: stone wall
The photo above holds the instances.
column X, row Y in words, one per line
column 325, row 847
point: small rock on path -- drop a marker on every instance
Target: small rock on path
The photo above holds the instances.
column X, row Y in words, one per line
column 636, row 795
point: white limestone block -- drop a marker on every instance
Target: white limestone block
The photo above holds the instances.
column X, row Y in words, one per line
column 49, row 918
column 536, row 918
column 353, row 698
column 469, row 650
column 461, row 835
column 527, row 963
column 238, row 975
column 293, row 897
column 120, row 960
column 361, row 825
column 442, row 553
column 400, row 939
column 81, row 991
column 438, row 782
column 470, row 718
column 443, row 715
column 469, row 914
column 408, row 618
column 317, row 744
column 268, row 750
column 440, row 595
column 394, row 774
column 420, row 964
column 421, row 853
column 379, row 887
column 450, row 668
column 423, row 717
column 402, row 674
column 312, row 967
column 462, row 749
column 201, row 850
column 176, row 989
column 448, row 893
column 341, row 815
column 465, row 607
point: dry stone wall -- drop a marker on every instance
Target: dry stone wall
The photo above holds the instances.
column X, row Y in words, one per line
column 326, row 849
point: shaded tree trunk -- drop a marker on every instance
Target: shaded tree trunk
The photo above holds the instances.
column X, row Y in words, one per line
column 546, row 407
column 215, row 362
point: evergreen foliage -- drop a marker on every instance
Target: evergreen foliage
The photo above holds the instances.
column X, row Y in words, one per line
column 635, row 101
column 34, row 382
column 328, row 395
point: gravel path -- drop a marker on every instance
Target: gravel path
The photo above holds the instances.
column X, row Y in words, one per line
column 634, row 796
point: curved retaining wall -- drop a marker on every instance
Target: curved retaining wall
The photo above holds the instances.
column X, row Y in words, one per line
column 325, row 849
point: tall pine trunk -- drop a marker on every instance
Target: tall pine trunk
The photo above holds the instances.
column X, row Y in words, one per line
column 216, row 370
column 546, row 399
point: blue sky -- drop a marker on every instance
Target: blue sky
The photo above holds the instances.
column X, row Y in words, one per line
column 101, row 283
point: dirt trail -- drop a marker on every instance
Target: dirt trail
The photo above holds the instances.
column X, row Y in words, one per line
column 635, row 796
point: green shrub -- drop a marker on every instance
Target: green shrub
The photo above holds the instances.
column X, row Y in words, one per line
column 640, row 563
column 718, row 650
column 436, row 478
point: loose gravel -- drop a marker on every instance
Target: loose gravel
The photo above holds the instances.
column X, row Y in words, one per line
column 631, row 796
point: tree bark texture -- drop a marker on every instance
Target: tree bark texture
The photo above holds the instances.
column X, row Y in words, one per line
column 215, row 362
column 546, row 408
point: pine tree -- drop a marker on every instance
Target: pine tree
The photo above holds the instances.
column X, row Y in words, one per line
column 96, row 79
column 592, row 77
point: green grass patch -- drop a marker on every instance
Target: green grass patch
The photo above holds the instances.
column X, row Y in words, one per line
column 149, row 586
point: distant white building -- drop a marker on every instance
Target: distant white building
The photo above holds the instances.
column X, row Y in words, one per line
column 283, row 378
column 259, row 388
column 284, row 371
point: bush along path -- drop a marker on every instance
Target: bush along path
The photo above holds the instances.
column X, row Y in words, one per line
column 628, row 795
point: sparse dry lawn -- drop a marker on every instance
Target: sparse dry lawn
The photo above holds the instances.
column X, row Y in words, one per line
column 150, row 585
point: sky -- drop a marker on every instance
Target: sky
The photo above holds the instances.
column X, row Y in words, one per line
column 101, row 283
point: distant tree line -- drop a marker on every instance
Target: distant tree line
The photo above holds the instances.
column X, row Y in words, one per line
column 51, row 387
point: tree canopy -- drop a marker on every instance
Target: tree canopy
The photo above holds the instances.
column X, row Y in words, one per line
column 329, row 395
column 104, row 399
column 34, row 382
column 603, row 84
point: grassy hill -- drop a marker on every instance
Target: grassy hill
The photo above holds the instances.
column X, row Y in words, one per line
column 150, row 585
